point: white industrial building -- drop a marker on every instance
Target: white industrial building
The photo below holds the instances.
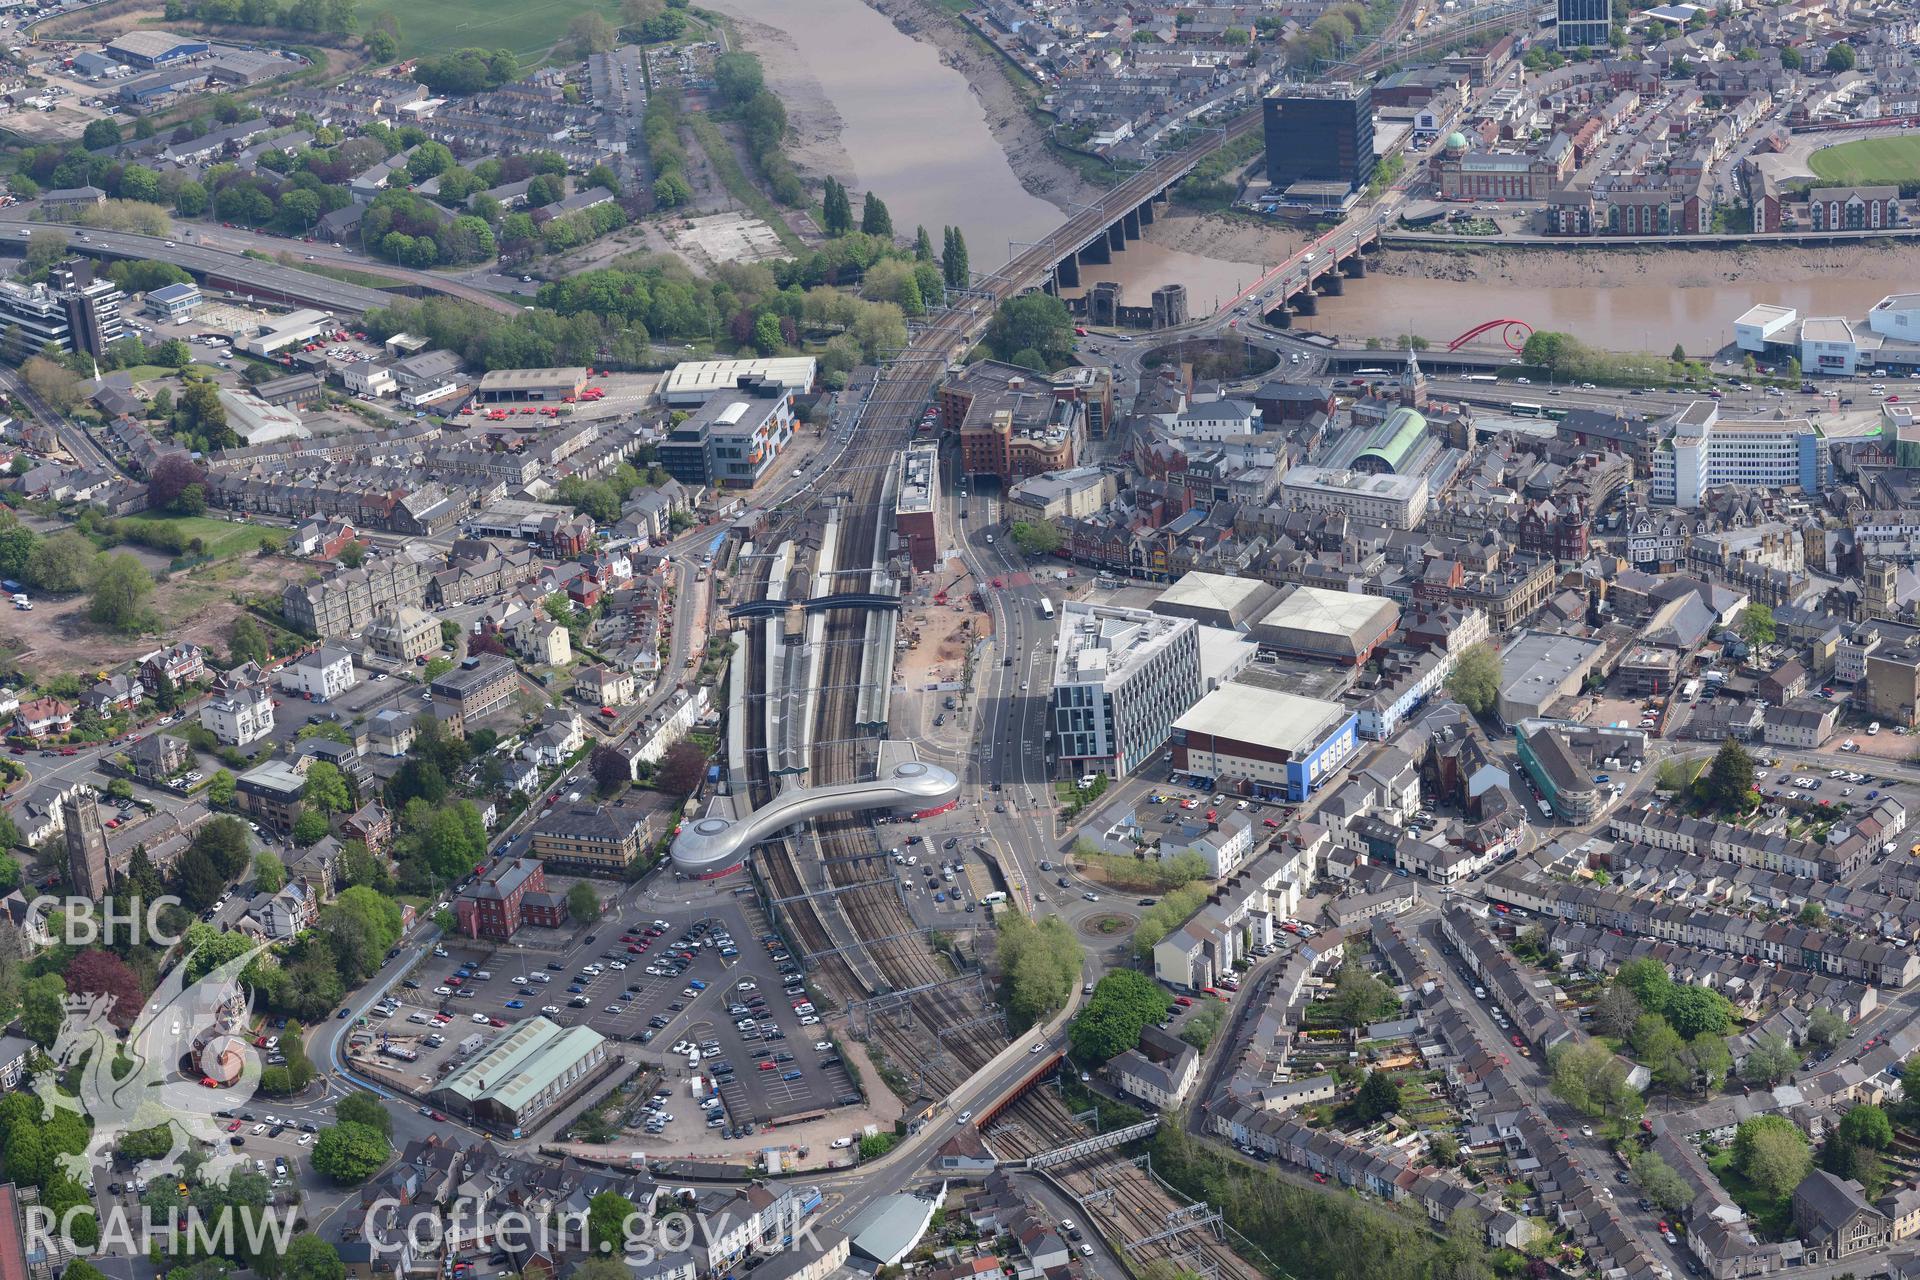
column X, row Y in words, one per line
column 1763, row 323
column 1830, row 345
column 1896, row 316
column 286, row 331
column 257, row 422
column 692, row 382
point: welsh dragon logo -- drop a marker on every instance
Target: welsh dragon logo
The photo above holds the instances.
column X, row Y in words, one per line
column 186, row 1033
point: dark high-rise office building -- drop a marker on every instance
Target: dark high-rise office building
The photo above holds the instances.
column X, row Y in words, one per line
column 1584, row 24
column 1320, row 133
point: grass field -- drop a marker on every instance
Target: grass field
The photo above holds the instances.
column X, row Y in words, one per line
column 221, row 537
column 1869, row 161
column 528, row 27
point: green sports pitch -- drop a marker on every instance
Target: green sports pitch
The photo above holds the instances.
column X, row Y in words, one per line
column 530, row 28
column 1869, row 162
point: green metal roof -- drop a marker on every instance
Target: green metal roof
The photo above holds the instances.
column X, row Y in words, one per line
column 1402, row 431
column 523, row 1061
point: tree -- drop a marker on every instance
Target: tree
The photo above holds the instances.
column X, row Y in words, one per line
column 1662, row 1183
column 269, row 872
column 836, row 211
column 221, row 786
column 1697, row 1011
column 1443, row 1148
column 1590, row 1078
column 364, row 1109
column 1679, row 353
column 100, row 134
column 310, row 827
column 738, row 77
column 1840, row 57
column 43, row 1008
column 246, row 642
column 196, row 879
column 610, row 769
column 1756, row 625
column 681, row 769
column 1379, row 1095
column 1474, row 681
column 309, row 1257
column 1039, row 963
column 1813, row 913
column 1649, row 981
column 326, row 788
column 1617, row 1009
column 120, row 586
column 1109, row 1023
column 1770, row 1059
column 583, row 904
column 591, row 33
column 766, row 333
column 1729, row 780
column 172, row 476
column 1867, row 1126
column 610, row 1219
column 874, row 218
column 1773, row 1153
column 1036, row 537
column 953, row 260
column 101, row 973
column 1036, row 323
column 350, row 1153
column 1360, row 998
column 1554, row 352
column 61, row 564
column 1790, row 58
column 1826, row 1028
column 1658, row 1046
column 381, row 46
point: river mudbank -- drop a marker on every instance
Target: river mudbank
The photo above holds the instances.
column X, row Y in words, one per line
column 1595, row 266
column 814, row 126
column 1021, row 137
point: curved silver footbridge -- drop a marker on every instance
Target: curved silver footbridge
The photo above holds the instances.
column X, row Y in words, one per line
column 715, row 845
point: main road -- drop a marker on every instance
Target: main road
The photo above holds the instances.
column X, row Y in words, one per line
column 265, row 281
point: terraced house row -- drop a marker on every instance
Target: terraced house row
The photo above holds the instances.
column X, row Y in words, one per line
column 1843, row 855
column 1797, row 946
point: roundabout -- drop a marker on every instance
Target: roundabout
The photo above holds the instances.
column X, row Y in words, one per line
column 1106, row 924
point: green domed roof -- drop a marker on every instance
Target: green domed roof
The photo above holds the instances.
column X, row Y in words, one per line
column 1456, row 141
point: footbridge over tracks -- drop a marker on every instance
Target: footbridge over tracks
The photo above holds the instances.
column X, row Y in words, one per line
column 714, row 845
column 817, row 604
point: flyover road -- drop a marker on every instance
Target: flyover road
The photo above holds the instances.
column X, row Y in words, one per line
column 265, row 281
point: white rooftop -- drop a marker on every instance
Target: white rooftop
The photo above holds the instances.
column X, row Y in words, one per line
column 692, row 377
column 1248, row 713
column 1764, row 314
column 1213, row 591
column 1334, row 613
column 1104, row 644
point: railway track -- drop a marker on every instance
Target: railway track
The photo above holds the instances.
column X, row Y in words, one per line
column 885, row 933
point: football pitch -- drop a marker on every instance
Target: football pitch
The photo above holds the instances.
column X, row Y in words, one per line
column 1869, row 162
column 530, row 28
